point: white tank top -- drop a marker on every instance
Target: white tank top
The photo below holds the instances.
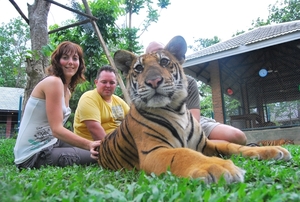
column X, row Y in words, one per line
column 34, row 132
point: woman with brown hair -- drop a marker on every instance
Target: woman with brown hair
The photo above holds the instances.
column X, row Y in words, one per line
column 42, row 138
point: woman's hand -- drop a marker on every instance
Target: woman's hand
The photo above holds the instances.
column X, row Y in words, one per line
column 94, row 149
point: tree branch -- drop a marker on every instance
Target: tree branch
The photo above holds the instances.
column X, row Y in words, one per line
column 19, row 11
column 69, row 26
column 72, row 10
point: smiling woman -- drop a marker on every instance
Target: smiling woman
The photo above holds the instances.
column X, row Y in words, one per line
column 42, row 139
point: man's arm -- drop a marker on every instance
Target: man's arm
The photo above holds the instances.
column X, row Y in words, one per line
column 196, row 114
column 193, row 99
column 96, row 130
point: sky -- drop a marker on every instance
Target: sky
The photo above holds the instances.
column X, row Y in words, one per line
column 192, row 19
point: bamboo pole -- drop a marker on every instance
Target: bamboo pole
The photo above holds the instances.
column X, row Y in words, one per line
column 111, row 61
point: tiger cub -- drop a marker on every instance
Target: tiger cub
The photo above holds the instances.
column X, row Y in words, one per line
column 159, row 133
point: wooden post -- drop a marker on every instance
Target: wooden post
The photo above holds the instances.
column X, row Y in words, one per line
column 8, row 125
column 111, row 61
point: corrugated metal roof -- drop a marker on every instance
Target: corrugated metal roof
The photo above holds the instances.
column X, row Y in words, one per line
column 256, row 35
column 10, row 98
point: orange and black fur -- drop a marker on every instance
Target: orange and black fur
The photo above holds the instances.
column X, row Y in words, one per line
column 159, row 133
column 277, row 142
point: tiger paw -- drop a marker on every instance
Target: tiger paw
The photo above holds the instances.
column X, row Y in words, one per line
column 215, row 168
column 268, row 153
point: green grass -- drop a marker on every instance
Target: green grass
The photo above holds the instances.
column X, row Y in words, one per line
column 264, row 181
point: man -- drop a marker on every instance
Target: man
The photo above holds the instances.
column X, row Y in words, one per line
column 213, row 130
column 99, row 111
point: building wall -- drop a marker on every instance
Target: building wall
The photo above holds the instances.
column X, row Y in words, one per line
column 8, row 124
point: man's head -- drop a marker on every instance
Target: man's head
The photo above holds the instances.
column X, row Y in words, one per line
column 154, row 46
column 106, row 82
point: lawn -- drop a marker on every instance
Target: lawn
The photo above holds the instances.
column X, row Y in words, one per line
column 264, row 181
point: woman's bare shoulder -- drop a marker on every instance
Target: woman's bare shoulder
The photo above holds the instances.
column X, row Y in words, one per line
column 52, row 80
column 48, row 84
column 52, row 83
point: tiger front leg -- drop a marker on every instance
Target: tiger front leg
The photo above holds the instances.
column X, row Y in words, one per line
column 261, row 153
column 267, row 152
column 185, row 162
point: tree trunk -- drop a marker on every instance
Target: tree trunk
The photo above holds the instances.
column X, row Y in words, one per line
column 38, row 16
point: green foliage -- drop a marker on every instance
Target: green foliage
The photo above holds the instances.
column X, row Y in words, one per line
column 258, row 23
column 163, row 3
column 205, row 100
column 130, row 42
column 265, row 181
column 32, row 55
column 281, row 11
column 238, row 33
column 107, row 12
column 134, row 7
column 79, row 90
column 14, row 42
column 284, row 11
column 232, row 106
column 201, row 43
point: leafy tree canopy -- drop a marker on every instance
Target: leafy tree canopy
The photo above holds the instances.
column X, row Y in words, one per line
column 14, row 41
column 284, row 11
column 281, row 11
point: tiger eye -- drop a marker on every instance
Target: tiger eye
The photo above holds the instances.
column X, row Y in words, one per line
column 164, row 62
column 138, row 68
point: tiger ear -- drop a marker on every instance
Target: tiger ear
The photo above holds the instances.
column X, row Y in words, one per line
column 177, row 47
column 123, row 60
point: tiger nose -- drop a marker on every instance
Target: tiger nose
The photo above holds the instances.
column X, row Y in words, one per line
column 154, row 83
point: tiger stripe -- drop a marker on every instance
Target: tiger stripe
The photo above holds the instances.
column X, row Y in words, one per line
column 277, row 142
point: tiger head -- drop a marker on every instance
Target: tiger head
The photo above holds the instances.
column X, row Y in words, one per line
column 156, row 79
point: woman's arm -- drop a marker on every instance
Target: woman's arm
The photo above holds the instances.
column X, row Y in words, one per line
column 53, row 89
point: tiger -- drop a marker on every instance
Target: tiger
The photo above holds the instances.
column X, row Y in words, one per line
column 277, row 142
column 159, row 134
